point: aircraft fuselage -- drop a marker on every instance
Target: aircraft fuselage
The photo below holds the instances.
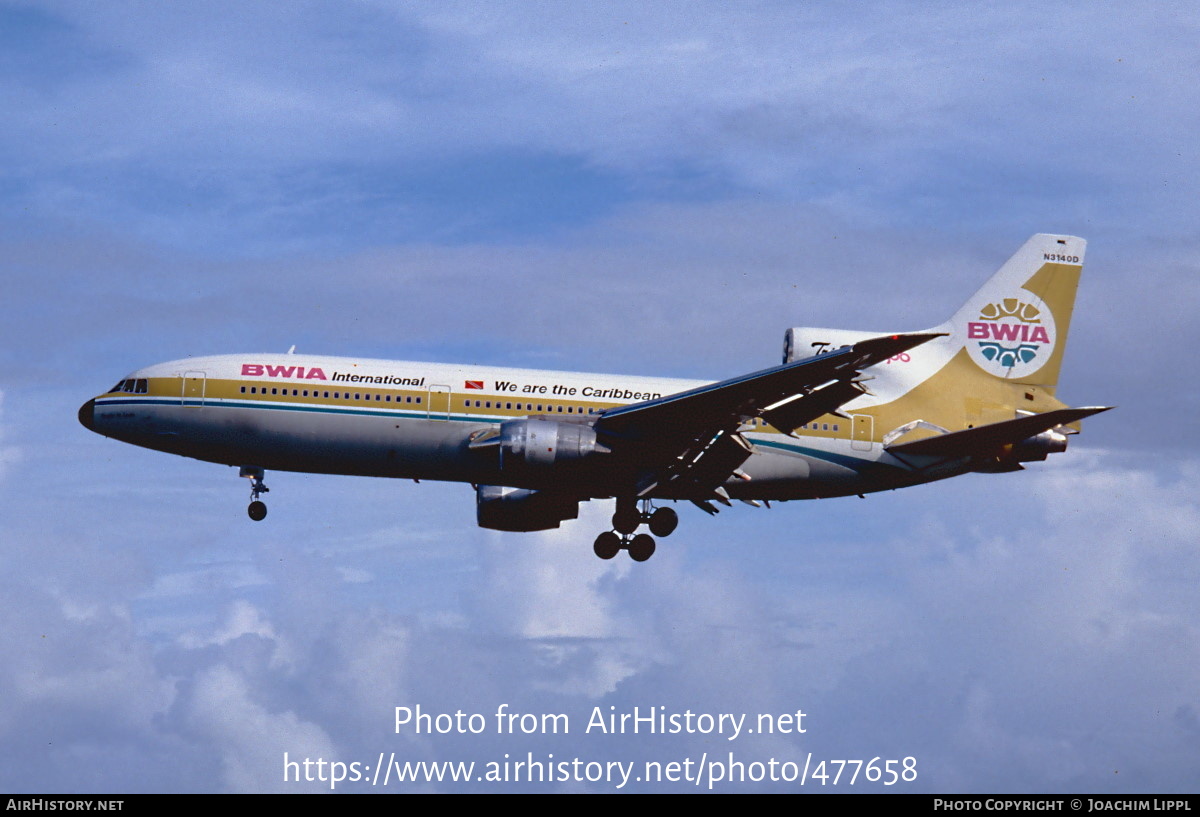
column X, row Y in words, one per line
column 416, row 421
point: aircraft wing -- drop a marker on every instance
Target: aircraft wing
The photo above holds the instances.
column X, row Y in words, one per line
column 689, row 440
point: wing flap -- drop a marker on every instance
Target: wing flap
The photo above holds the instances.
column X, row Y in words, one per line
column 806, row 408
column 687, row 444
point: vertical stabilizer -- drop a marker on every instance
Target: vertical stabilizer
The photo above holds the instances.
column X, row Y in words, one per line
column 1015, row 327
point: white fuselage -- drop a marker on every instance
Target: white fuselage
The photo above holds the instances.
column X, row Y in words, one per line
column 417, row 420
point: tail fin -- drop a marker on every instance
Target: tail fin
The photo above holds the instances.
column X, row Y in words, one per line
column 1015, row 327
column 1002, row 351
column 998, row 358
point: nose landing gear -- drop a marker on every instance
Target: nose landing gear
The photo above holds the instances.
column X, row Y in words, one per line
column 626, row 520
column 257, row 509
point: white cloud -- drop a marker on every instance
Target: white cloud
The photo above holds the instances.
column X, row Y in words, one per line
column 248, row 736
column 1034, row 631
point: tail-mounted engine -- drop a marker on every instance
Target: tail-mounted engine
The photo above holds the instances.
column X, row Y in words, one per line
column 802, row 342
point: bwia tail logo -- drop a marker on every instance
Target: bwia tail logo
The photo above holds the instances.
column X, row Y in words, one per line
column 1013, row 337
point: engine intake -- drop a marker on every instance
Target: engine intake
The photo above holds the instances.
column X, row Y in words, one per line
column 543, row 443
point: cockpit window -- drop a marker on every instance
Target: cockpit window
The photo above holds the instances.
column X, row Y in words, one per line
column 132, row 386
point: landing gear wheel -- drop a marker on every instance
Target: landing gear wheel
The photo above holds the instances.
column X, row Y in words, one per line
column 641, row 547
column 607, row 544
column 257, row 510
column 663, row 522
column 626, row 520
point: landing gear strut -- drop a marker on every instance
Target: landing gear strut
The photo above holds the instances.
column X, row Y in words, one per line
column 626, row 520
column 258, row 509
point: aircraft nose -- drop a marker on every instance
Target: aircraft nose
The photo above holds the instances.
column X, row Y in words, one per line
column 87, row 415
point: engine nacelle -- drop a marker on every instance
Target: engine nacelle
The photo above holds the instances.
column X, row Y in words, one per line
column 543, row 443
column 522, row 510
column 802, row 342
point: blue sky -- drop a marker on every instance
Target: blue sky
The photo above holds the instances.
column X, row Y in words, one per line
column 603, row 187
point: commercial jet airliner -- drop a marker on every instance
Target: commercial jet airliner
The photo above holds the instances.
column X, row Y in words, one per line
column 847, row 412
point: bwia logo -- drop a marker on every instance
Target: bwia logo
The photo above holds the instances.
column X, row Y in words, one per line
column 1013, row 337
column 259, row 370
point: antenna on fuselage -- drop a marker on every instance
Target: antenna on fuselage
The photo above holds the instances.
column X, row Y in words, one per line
column 292, row 350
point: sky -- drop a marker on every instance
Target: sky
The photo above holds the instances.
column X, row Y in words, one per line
column 617, row 187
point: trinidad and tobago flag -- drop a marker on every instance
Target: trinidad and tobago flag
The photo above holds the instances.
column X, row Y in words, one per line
column 473, row 384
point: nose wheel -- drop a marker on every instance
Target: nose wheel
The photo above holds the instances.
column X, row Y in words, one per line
column 257, row 509
column 626, row 520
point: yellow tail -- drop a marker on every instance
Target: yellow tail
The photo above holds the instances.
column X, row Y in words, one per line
column 1003, row 350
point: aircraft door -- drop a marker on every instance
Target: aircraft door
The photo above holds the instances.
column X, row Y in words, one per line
column 193, row 388
column 862, row 429
column 438, row 403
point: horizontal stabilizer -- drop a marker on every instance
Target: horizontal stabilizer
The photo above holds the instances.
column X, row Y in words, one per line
column 985, row 440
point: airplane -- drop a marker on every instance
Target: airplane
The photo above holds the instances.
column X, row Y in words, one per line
column 846, row 413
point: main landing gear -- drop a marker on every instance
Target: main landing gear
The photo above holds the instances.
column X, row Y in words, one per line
column 626, row 520
column 258, row 509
